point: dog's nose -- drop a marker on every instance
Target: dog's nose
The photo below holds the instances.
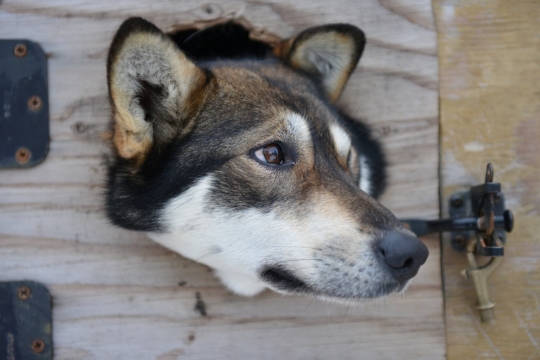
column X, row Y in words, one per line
column 402, row 254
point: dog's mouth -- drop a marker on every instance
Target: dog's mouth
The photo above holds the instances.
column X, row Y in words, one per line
column 284, row 280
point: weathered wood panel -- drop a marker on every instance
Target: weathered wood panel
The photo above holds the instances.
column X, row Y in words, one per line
column 119, row 295
column 490, row 112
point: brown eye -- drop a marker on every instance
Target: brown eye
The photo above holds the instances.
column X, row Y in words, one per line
column 271, row 154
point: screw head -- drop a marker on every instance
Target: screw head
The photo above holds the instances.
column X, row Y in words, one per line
column 38, row 346
column 20, row 50
column 24, row 292
column 35, row 103
column 456, row 201
column 22, row 155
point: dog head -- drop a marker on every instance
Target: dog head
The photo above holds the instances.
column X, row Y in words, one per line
column 247, row 167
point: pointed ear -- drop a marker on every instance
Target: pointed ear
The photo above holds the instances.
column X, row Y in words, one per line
column 329, row 52
column 154, row 89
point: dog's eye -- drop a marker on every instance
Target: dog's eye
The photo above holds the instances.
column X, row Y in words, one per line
column 271, row 154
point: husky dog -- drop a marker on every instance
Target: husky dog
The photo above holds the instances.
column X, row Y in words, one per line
column 246, row 166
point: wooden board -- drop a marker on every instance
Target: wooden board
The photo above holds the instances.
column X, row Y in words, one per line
column 117, row 295
column 489, row 55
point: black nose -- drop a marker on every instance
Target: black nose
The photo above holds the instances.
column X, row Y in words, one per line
column 401, row 254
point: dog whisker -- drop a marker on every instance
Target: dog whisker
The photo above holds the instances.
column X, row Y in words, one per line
column 345, row 315
column 314, row 297
column 202, row 257
column 291, row 260
column 294, row 246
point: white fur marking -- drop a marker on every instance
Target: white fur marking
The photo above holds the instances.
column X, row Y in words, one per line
column 238, row 244
column 342, row 140
column 299, row 127
column 196, row 231
column 365, row 176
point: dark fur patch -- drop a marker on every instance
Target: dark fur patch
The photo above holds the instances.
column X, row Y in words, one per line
column 149, row 98
column 366, row 145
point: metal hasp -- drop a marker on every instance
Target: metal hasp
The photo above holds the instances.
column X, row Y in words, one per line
column 25, row 321
column 478, row 224
column 484, row 206
column 24, row 104
column 478, row 211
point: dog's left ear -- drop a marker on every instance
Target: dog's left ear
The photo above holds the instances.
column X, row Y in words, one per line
column 153, row 87
column 329, row 52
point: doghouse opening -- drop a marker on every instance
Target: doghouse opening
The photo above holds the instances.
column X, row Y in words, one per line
column 226, row 40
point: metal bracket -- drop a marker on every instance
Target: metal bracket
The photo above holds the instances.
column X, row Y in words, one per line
column 25, row 321
column 478, row 212
column 459, row 206
column 24, row 104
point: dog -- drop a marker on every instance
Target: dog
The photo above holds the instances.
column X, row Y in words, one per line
column 245, row 165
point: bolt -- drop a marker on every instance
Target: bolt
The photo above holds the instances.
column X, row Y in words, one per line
column 459, row 239
column 38, row 346
column 20, row 50
column 22, row 155
column 35, row 103
column 24, row 292
column 456, row 201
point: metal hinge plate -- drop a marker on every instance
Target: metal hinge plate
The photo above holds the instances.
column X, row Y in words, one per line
column 24, row 104
column 25, row 321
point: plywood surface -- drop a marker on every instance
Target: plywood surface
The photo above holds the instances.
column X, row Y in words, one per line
column 489, row 55
column 116, row 294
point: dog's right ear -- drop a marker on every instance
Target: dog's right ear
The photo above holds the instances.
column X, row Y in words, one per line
column 154, row 89
column 329, row 53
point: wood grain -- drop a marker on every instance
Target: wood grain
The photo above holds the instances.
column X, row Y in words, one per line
column 490, row 112
column 117, row 295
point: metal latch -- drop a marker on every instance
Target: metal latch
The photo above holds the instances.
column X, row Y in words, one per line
column 478, row 224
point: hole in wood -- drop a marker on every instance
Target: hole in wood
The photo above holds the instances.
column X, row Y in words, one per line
column 224, row 39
